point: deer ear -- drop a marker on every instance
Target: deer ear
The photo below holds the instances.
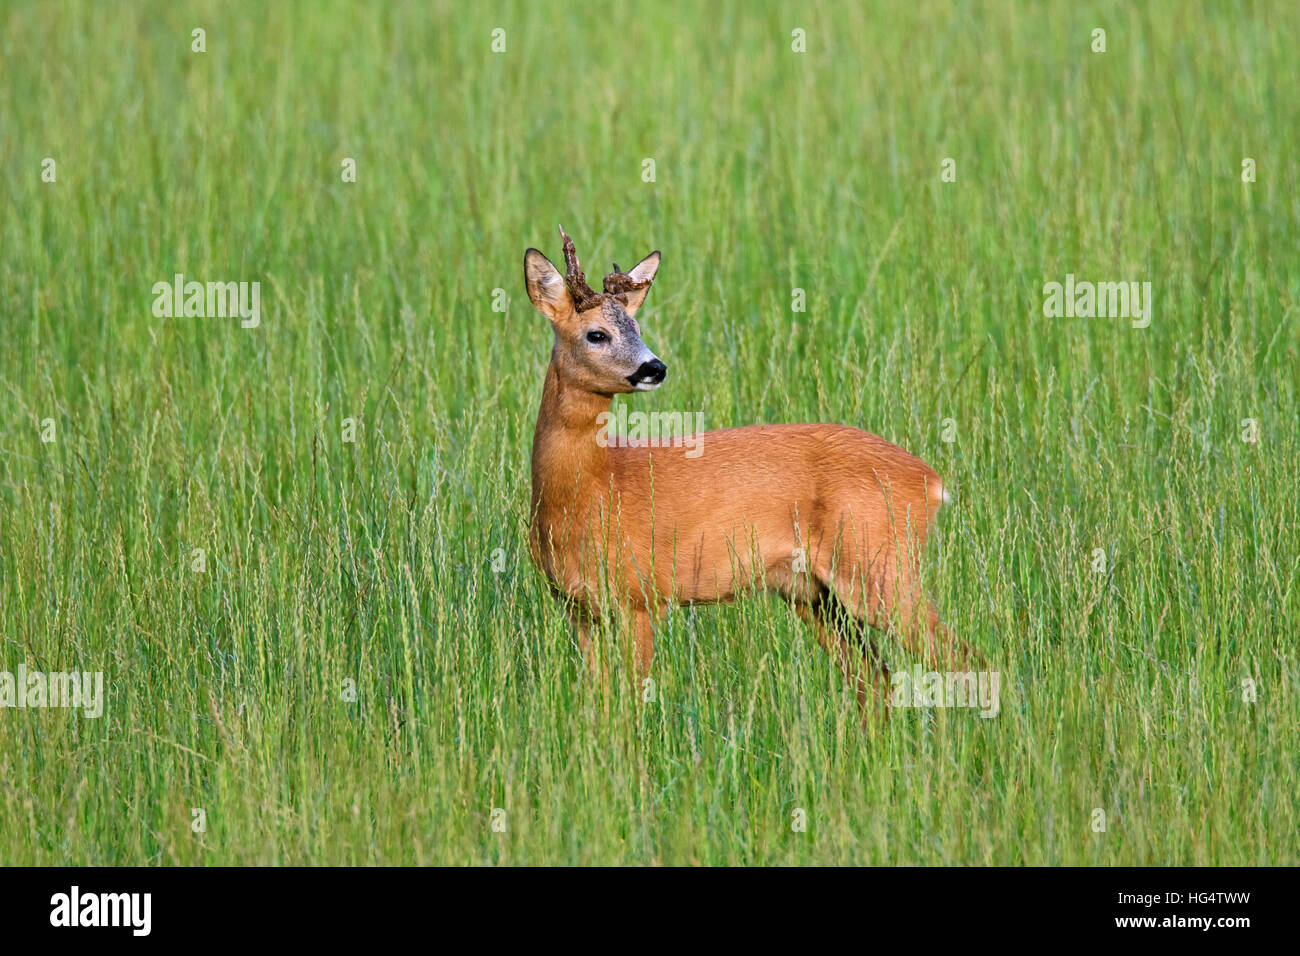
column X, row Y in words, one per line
column 643, row 271
column 546, row 286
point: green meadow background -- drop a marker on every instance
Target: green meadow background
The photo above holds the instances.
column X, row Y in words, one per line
column 333, row 566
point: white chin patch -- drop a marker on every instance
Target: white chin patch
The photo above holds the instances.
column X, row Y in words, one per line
column 647, row 386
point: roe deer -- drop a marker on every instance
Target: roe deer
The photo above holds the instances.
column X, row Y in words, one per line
column 830, row 517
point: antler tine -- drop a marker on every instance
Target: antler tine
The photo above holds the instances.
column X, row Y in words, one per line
column 584, row 296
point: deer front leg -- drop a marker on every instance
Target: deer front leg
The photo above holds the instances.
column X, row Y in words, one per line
column 642, row 626
column 582, row 624
column 636, row 622
column 584, row 639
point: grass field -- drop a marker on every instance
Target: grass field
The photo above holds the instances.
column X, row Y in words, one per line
column 330, row 566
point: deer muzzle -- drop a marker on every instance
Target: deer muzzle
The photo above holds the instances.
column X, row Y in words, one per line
column 649, row 375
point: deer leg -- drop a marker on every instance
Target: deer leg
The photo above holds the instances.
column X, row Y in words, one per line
column 584, row 638
column 922, row 635
column 889, row 599
column 587, row 650
column 642, row 627
column 839, row 632
column 874, row 666
column 830, row 639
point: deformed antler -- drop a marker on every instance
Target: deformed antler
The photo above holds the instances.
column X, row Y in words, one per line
column 617, row 284
column 584, row 296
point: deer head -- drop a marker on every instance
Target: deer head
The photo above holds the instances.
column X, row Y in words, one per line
column 598, row 343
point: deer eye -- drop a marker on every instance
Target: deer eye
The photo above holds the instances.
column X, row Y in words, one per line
column 595, row 337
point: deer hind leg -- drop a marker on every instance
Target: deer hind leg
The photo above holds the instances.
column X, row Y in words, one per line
column 846, row 640
column 890, row 600
column 925, row 636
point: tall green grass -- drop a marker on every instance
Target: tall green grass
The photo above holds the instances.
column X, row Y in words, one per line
column 372, row 562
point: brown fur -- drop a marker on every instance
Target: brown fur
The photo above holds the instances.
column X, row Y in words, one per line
column 631, row 530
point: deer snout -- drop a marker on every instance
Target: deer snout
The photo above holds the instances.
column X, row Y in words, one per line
column 648, row 375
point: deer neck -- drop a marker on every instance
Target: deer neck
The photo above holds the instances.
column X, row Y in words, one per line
column 569, row 465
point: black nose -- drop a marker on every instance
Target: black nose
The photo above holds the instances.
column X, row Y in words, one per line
column 650, row 373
